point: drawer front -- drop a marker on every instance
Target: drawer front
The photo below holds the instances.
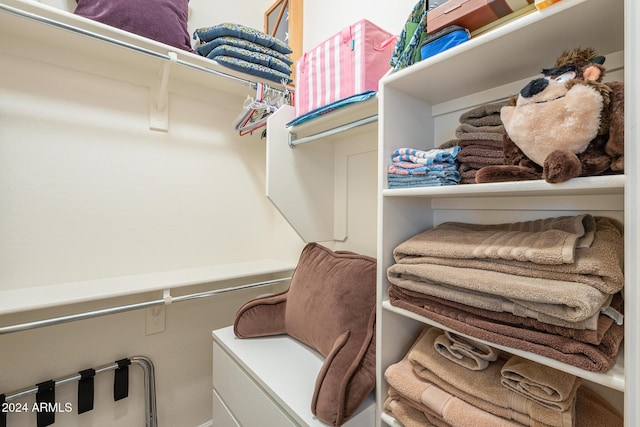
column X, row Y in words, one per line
column 244, row 399
column 221, row 415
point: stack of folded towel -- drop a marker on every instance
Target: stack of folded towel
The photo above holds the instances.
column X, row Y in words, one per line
column 480, row 136
column 245, row 49
column 427, row 389
column 549, row 286
column 411, row 167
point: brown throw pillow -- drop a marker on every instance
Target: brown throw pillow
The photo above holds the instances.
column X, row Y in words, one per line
column 330, row 306
column 161, row 20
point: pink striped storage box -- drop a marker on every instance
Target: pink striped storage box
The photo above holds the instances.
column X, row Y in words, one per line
column 348, row 63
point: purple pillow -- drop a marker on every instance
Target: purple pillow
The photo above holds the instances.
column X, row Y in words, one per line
column 161, row 20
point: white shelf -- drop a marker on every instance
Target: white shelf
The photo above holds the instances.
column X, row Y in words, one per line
column 52, row 35
column 389, row 420
column 486, row 61
column 614, row 378
column 33, row 298
column 593, row 185
column 336, row 119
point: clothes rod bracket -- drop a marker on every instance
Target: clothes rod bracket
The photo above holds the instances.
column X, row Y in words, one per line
column 295, row 141
column 159, row 97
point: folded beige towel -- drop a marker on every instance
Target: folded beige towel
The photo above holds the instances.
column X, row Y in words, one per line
column 468, row 132
column 598, row 264
column 591, row 411
column 481, row 389
column 549, row 387
column 464, row 351
column 506, row 323
column 483, row 115
column 541, row 299
column 600, row 358
column 453, row 410
column 409, row 413
column 542, row 241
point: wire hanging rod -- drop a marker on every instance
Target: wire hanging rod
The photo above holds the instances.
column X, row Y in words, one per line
column 167, row 299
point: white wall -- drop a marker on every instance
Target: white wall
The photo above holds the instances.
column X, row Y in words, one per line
column 324, row 18
column 88, row 191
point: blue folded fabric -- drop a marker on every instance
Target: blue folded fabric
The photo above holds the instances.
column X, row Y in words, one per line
column 207, row 34
column 401, row 168
column 359, row 97
column 207, row 47
column 432, row 179
column 249, row 56
column 253, row 69
column 435, row 155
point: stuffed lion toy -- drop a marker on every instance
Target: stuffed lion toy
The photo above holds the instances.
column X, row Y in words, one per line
column 563, row 125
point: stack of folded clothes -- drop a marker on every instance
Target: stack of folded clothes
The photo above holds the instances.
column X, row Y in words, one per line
column 245, row 49
column 411, row 167
column 480, row 136
column 427, row 389
column 549, row 286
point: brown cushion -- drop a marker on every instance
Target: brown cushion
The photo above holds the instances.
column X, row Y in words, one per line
column 330, row 306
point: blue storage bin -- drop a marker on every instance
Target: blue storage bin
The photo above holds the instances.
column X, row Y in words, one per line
column 444, row 39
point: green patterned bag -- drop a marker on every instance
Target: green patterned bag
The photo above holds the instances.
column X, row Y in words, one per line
column 407, row 50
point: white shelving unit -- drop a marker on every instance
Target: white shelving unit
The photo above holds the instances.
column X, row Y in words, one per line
column 419, row 107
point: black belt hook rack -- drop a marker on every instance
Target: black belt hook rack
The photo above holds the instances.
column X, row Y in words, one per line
column 45, row 391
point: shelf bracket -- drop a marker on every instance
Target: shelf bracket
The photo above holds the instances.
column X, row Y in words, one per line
column 159, row 99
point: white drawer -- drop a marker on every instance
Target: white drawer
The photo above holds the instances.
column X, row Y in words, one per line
column 221, row 415
column 245, row 400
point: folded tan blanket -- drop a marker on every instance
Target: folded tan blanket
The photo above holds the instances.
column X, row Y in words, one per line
column 484, row 143
column 591, row 411
column 470, row 263
column 411, row 414
column 562, row 248
column 479, row 152
column 520, row 325
column 464, row 351
column 551, row 301
column 483, row 115
column 451, row 409
column 468, row 132
column 600, row 358
column 542, row 241
column 468, row 172
column 549, row 387
column 482, row 389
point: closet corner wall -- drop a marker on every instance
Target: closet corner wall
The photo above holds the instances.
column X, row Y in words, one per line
column 418, row 106
column 100, row 211
column 321, row 174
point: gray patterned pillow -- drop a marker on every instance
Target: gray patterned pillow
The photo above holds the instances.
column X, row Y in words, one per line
column 240, row 31
column 207, row 47
column 253, row 69
column 249, row 56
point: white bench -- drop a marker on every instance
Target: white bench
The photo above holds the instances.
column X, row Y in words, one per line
column 269, row 382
